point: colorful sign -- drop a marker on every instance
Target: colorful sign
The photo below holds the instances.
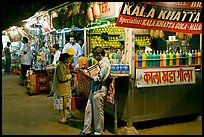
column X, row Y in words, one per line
column 169, row 16
column 109, row 9
column 164, row 76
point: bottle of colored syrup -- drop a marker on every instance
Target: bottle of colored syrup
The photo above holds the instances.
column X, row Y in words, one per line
column 193, row 57
column 177, row 58
column 184, row 58
column 181, row 58
column 143, row 60
column 136, row 60
column 158, row 59
column 196, row 57
column 174, row 58
column 161, row 58
column 167, row 59
column 139, row 60
column 147, row 59
column 199, row 57
column 155, row 59
column 190, row 57
column 187, row 56
column 150, row 59
column 164, row 58
column 170, row 59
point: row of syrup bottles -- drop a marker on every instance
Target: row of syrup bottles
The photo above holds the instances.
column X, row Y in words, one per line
column 166, row 58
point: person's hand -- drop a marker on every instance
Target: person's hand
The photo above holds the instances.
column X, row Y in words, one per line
column 86, row 73
column 68, row 68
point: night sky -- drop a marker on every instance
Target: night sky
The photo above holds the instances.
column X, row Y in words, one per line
column 15, row 11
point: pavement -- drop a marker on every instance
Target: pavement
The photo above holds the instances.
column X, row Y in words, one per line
column 24, row 114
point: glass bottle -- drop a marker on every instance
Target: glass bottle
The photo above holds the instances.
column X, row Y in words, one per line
column 164, row 58
column 193, row 58
column 158, row 59
column 150, row 59
column 147, row 59
column 161, row 58
column 190, row 57
column 155, row 59
column 143, row 60
column 177, row 58
column 174, row 58
column 196, row 57
column 167, row 58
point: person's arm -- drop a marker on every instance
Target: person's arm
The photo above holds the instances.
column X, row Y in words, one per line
column 86, row 73
column 80, row 51
column 104, row 72
column 62, row 74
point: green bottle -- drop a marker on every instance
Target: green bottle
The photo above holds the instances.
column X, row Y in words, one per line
column 147, row 59
column 174, row 59
column 167, row 58
column 155, row 59
column 187, row 56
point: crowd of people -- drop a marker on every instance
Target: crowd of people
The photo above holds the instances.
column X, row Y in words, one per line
column 60, row 71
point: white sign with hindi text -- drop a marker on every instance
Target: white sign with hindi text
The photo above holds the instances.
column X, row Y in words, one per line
column 151, row 77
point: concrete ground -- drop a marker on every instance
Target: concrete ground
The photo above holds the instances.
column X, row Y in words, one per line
column 34, row 115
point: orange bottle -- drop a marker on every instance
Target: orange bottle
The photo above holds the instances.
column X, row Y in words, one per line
column 143, row 60
column 161, row 58
column 177, row 58
column 199, row 57
column 136, row 60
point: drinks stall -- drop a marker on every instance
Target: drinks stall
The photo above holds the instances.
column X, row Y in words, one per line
column 158, row 87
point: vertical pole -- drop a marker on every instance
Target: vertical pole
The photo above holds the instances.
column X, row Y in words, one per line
column 63, row 39
column 115, row 109
column 201, row 43
column 85, row 46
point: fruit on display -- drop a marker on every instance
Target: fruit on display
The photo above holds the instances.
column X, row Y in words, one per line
column 114, row 35
column 111, row 29
column 143, row 41
column 112, row 42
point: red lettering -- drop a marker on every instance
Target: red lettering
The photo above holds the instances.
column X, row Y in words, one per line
column 105, row 7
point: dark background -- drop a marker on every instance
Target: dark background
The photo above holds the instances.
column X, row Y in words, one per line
column 13, row 12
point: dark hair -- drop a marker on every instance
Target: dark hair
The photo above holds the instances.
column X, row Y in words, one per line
column 56, row 46
column 25, row 39
column 98, row 50
column 64, row 56
column 8, row 43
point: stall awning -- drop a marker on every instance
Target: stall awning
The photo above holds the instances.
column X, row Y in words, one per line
column 169, row 16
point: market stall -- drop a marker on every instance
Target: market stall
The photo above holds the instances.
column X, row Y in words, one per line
column 154, row 92
column 156, row 86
